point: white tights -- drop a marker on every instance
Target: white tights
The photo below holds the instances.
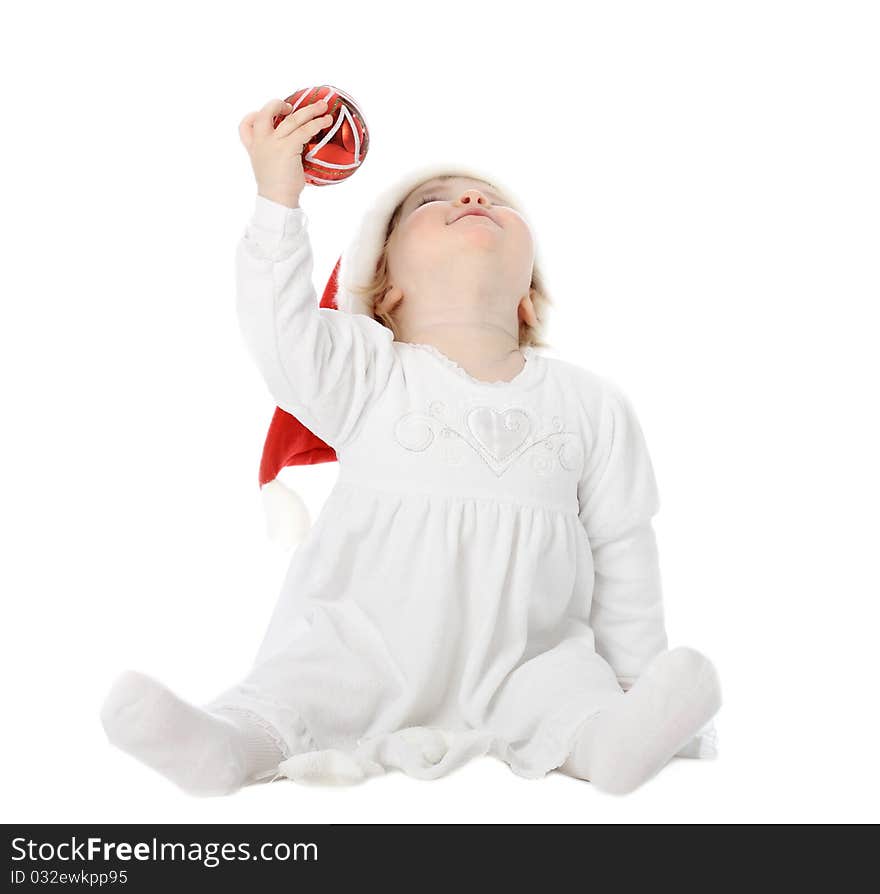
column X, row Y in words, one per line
column 623, row 746
column 205, row 753
column 217, row 752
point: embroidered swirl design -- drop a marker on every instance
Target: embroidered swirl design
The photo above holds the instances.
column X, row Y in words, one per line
column 497, row 437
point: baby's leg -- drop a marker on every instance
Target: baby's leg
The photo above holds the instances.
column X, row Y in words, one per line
column 205, row 753
column 626, row 744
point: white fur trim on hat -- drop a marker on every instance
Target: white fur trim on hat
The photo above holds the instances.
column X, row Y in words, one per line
column 358, row 265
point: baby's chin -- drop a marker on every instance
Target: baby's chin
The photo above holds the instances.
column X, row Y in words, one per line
column 482, row 232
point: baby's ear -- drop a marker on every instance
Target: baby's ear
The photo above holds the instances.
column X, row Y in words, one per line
column 389, row 301
column 526, row 310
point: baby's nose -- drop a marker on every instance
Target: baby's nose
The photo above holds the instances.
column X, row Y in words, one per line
column 472, row 195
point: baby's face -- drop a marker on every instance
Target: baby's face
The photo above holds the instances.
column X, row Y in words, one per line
column 433, row 211
column 436, row 230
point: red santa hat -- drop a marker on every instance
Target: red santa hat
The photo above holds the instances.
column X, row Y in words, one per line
column 289, row 442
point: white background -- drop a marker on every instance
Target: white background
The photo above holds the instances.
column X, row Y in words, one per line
column 702, row 180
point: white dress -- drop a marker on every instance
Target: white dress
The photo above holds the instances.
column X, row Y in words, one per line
column 483, row 576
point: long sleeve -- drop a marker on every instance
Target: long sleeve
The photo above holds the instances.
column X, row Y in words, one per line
column 323, row 366
column 617, row 496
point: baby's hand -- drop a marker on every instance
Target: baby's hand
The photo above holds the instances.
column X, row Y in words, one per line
column 276, row 153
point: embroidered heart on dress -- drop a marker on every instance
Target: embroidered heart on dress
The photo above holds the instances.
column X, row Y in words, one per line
column 499, row 433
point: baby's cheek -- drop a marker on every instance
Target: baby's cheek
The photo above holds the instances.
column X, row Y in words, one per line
column 428, row 220
column 410, row 233
column 518, row 227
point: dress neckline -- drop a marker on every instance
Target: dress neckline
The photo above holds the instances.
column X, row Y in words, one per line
column 526, row 376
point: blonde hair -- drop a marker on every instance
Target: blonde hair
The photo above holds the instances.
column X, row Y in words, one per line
column 376, row 290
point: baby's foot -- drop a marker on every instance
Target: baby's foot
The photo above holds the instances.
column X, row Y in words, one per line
column 203, row 753
column 624, row 746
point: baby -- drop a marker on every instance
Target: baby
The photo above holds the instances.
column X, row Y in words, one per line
column 483, row 578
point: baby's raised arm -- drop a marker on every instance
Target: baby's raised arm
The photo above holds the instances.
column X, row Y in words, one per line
column 322, row 365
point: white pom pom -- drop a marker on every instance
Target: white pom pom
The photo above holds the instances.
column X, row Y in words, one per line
column 328, row 767
column 287, row 516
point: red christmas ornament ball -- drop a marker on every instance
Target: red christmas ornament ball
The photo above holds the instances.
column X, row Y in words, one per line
column 338, row 150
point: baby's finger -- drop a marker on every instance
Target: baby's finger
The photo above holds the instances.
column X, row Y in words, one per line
column 266, row 115
column 307, row 130
column 299, row 117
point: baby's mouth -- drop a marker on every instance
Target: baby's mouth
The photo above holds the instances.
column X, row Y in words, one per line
column 473, row 214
